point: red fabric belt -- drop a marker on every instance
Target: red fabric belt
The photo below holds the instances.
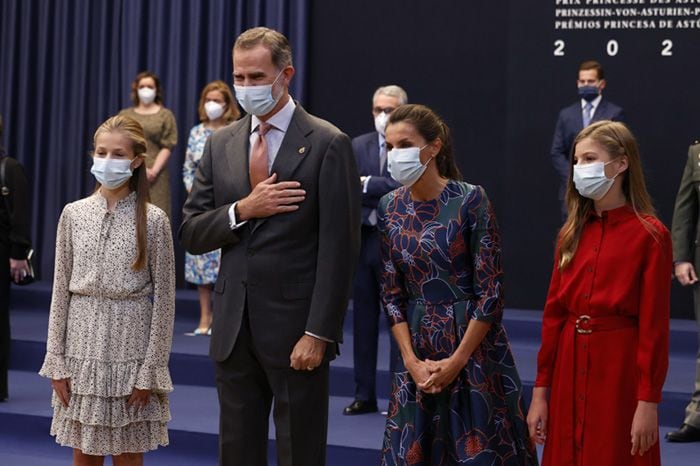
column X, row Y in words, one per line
column 586, row 324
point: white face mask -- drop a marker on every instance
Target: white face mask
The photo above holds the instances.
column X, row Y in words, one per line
column 404, row 164
column 590, row 180
column 380, row 122
column 257, row 100
column 147, row 95
column 111, row 173
column 213, row 110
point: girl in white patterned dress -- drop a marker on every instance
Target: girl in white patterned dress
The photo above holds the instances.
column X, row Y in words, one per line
column 112, row 310
column 216, row 110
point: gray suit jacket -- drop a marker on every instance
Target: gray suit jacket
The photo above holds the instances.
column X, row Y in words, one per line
column 294, row 270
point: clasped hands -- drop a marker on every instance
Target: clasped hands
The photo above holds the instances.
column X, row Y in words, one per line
column 269, row 198
column 434, row 376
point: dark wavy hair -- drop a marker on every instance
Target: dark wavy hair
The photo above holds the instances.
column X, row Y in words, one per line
column 431, row 127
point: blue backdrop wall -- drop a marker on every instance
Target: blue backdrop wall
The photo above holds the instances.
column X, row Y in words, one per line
column 497, row 71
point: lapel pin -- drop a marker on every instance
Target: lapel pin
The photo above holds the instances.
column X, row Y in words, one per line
column 302, row 150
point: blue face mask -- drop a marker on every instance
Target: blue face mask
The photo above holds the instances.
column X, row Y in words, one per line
column 111, row 173
column 588, row 93
column 257, row 100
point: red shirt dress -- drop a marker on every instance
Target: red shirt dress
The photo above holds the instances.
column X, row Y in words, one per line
column 605, row 340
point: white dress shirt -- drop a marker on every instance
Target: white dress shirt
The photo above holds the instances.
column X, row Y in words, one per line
column 595, row 102
column 280, row 122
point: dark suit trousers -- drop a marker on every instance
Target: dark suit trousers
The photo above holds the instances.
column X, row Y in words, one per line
column 4, row 319
column 247, row 390
column 367, row 311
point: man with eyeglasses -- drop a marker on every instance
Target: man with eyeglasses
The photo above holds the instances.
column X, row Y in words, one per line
column 370, row 155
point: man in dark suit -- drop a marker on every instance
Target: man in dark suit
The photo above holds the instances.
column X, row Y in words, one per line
column 589, row 108
column 278, row 192
column 370, row 154
column 685, row 231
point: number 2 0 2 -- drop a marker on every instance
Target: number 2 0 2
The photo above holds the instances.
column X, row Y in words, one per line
column 613, row 47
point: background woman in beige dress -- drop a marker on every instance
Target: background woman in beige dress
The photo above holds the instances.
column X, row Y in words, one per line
column 160, row 128
column 112, row 310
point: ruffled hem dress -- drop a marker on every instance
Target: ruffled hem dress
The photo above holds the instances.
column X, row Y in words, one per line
column 110, row 328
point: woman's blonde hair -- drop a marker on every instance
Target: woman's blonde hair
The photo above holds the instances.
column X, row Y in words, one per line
column 618, row 141
column 231, row 112
column 138, row 182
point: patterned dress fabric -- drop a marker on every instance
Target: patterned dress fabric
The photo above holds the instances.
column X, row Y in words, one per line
column 160, row 129
column 200, row 269
column 110, row 327
column 442, row 267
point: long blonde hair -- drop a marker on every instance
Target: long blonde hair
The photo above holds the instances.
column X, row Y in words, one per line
column 138, row 182
column 618, row 141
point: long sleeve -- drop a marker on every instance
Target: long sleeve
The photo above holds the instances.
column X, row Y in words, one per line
column 190, row 165
column 168, row 138
column 54, row 365
column 393, row 291
column 338, row 239
column 485, row 246
column 20, row 241
column 553, row 320
column 154, row 374
column 205, row 227
column 654, row 315
column 560, row 151
column 685, row 214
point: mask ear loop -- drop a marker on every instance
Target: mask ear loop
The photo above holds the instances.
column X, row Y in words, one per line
column 606, row 164
column 427, row 161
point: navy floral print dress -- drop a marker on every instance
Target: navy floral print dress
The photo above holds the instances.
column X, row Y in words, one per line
column 442, row 267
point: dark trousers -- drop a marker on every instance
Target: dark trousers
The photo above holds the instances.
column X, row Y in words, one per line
column 367, row 311
column 4, row 319
column 248, row 390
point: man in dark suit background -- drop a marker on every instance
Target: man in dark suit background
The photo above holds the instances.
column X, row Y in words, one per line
column 278, row 192
column 370, row 154
column 685, row 231
column 589, row 108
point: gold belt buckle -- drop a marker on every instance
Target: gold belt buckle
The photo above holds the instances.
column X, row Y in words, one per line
column 582, row 325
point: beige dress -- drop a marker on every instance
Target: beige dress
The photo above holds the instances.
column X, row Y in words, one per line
column 110, row 327
column 161, row 133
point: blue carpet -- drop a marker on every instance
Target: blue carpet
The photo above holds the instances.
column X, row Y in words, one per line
column 352, row 440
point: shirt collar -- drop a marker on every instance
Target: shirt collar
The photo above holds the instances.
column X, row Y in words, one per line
column 614, row 215
column 595, row 102
column 279, row 120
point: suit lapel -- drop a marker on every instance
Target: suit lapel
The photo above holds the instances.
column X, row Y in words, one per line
column 601, row 113
column 237, row 149
column 294, row 149
column 372, row 147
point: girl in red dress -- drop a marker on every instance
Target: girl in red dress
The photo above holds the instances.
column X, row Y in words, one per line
column 604, row 353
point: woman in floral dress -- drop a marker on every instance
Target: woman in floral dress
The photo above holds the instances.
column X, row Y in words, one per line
column 459, row 399
column 216, row 110
column 112, row 310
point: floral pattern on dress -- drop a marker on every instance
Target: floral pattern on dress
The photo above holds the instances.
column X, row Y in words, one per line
column 200, row 269
column 441, row 268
